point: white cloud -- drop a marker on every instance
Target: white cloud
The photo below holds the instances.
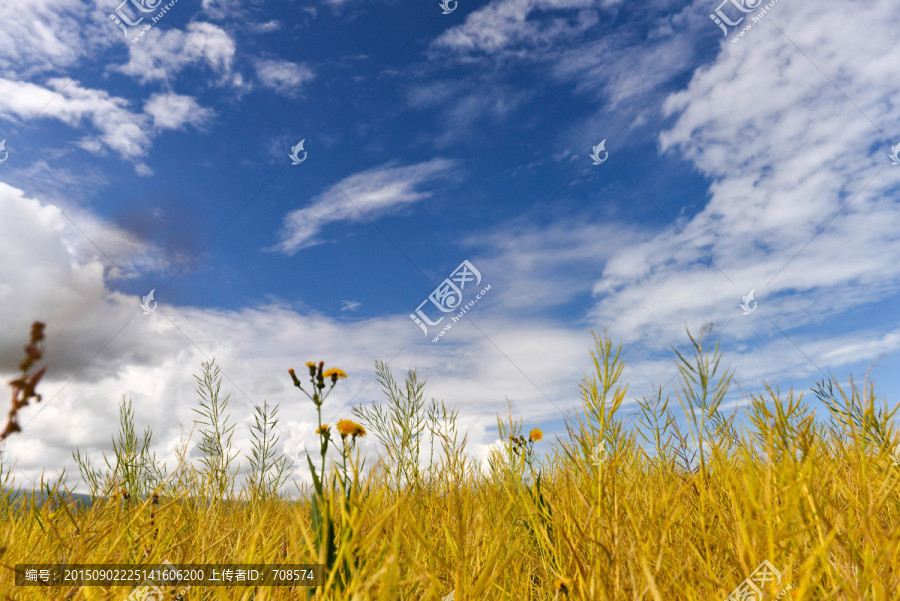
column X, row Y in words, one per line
column 621, row 68
column 283, row 76
column 161, row 55
column 539, row 268
column 785, row 151
column 570, row 41
column 124, row 131
column 173, row 111
column 92, row 145
column 60, row 180
column 128, row 133
column 462, row 103
column 143, row 170
column 374, row 193
column 503, row 23
column 57, row 273
column 269, row 26
column 350, row 305
column 220, row 9
column 47, row 35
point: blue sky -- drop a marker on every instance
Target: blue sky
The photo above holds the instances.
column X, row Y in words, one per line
column 755, row 161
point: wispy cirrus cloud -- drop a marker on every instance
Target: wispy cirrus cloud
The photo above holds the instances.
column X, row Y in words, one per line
column 373, row 193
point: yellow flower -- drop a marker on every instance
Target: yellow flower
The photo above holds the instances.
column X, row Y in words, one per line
column 347, row 427
column 536, row 435
column 334, row 373
column 562, row 586
column 322, row 429
column 312, row 368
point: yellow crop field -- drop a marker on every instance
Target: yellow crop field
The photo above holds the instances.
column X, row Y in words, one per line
column 774, row 502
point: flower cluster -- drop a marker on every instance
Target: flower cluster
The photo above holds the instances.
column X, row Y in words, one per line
column 521, row 445
column 317, row 376
column 350, row 428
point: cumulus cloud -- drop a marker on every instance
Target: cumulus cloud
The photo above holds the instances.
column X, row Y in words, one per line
column 57, row 274
column 371, row 193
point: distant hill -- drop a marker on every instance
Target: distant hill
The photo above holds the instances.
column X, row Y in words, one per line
column 20, row 498
column 82, row 500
